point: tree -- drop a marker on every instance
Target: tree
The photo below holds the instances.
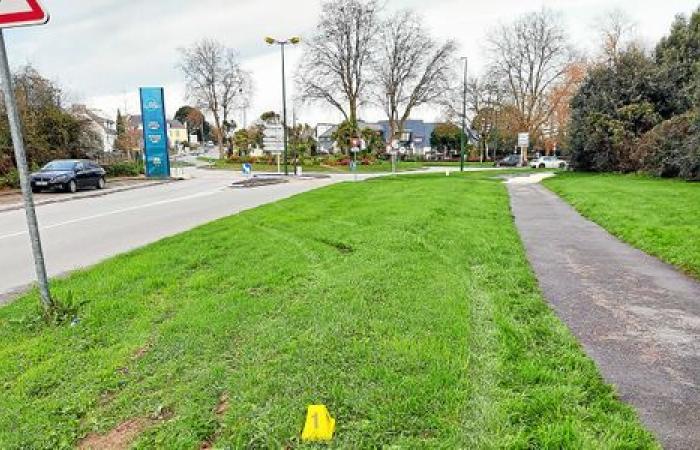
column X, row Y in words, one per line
column 614, row 107
column 560, row 98
column 335, row 66
column 677, row 56
column 446, row 137
column 271, row 117
column 301, row 140
column 50, row 132
column 242, row 141
column 213, row 78
column 530, row 56
column 411, row 69
column 616, row 31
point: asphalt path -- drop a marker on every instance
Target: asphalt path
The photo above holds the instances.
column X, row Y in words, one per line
column 638, row 318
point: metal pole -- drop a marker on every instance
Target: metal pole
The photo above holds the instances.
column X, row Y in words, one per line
column 284, row 111
column 21, row 157
column 464, row 118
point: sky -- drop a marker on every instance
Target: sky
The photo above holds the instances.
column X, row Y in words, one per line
column 102, row 51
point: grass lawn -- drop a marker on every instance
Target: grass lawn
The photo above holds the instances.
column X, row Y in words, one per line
column 405, row 305
column 659, row 216
column 383, row 166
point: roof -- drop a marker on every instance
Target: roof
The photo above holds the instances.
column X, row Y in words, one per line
column 176, row 125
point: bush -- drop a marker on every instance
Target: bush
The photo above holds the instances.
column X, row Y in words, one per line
column 125, row 169
column 672, row 148
column 10, row 179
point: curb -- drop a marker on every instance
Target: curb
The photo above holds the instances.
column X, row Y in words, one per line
column 102, row 193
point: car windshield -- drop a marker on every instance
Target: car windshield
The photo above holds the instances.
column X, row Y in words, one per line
column 60, row 165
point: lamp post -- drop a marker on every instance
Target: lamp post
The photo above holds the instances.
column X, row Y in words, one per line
column 282, row 44
column 464, row 116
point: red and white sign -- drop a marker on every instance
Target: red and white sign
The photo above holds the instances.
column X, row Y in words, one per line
column 17, row 13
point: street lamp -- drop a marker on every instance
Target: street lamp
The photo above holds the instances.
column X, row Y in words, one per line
column 282, row 44
column 464, row 116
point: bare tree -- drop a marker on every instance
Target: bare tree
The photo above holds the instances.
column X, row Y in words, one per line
column 617, row 30
column 214, row 77
column 411, row 69
column 334, row 67
column 530, row 56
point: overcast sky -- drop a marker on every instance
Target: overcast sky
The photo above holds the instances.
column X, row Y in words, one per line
column 101, row 51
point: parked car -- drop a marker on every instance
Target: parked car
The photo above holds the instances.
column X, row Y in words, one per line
column 68, row 175
column 548, row 162
column 509, row 161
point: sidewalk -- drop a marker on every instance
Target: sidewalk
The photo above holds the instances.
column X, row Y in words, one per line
column 12, row 200
column 638, row 318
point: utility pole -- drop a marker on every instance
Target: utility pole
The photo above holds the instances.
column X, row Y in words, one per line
column 21, row 157
column 464, row 117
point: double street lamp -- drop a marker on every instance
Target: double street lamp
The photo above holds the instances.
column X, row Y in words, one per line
column 464, row 117
column 283, row 44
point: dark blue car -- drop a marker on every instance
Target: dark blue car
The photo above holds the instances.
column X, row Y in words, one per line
column 68, row 175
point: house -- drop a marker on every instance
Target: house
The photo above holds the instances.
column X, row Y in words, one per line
column 98, row 122
column 414, row 140
column 177, row 134
column 324, row 138
column 415, row 136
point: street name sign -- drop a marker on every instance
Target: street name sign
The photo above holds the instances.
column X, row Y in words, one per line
column 17, row 13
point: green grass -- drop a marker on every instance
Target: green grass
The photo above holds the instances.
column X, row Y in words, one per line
column 405, row 305
column 659, row 216
column 382, row 166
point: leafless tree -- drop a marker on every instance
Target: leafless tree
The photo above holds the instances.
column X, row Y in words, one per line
column 335, row 65
column 530, row 56
column 617, row 31
column 411, row 68
column 214, row 78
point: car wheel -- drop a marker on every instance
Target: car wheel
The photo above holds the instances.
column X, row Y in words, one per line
column 542, row 166
column 562, row 166
column 36, row 190
column 72, row 187
column 101, row 183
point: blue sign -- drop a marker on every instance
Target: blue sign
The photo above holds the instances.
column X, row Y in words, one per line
column 155, row 133
column 247, row 169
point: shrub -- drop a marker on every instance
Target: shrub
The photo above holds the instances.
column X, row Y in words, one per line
column 672, row 148
column 125, row 169
column 10, row 179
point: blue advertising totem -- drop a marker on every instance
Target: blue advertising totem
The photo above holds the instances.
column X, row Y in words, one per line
column 155, row 133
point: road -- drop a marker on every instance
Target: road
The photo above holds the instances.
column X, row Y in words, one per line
column 82, row 232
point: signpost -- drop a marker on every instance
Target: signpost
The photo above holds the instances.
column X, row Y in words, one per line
column 17, row 13
column 155, row 134
column 273, row 139
column 524, row 144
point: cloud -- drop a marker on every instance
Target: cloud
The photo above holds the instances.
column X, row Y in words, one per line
column 101, row 51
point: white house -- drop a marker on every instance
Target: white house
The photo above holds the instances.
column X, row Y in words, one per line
column 98, row 122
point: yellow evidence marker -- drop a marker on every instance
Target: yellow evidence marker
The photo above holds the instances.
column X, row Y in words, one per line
column 319, row 426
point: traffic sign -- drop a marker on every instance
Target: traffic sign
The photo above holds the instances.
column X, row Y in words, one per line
column 17, row 13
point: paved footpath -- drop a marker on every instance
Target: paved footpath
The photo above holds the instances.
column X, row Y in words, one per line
column 638, row 318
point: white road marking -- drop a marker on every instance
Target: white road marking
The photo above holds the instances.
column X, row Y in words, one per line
column 116, row 211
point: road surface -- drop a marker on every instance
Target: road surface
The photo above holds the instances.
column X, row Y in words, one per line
column 82, row 232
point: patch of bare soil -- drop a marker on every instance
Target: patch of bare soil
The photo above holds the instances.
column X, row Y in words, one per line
column 221, row 407
column 118, row 439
